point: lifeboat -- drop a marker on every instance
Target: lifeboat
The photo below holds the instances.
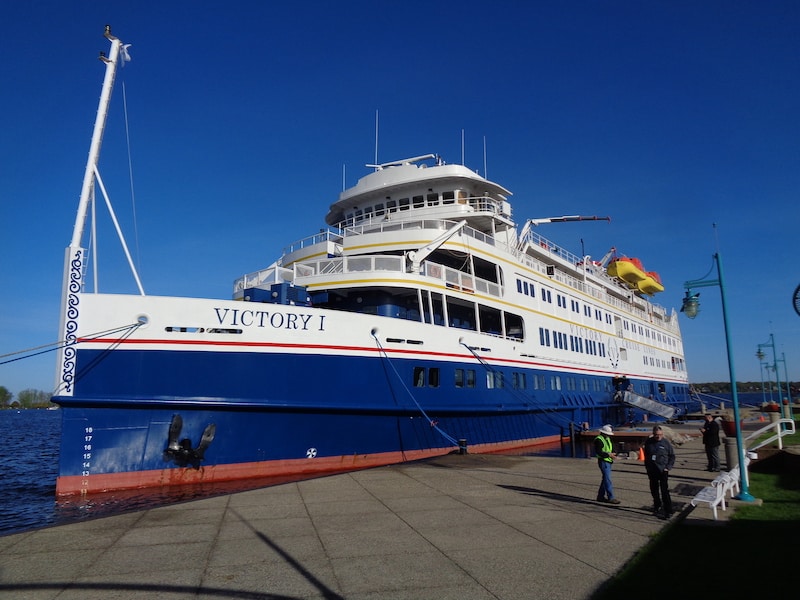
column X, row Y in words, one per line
column 630, row 270
column 651, row 284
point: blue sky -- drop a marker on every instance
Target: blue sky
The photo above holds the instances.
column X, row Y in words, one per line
column 244, row 118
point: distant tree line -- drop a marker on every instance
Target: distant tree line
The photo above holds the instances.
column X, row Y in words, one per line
column 25, row 399
column 746, row 387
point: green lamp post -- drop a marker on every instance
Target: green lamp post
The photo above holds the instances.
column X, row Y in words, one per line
column 691, row 306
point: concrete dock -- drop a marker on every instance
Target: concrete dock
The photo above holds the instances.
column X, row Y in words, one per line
column 462, row 527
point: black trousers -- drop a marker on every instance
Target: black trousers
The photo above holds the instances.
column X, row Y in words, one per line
column 659, row 489
column 712, row 453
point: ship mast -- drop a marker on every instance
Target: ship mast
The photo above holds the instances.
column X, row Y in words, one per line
column 75, row 255
column 97, row 136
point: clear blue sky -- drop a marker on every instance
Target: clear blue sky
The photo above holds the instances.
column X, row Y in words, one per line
column 243, row 116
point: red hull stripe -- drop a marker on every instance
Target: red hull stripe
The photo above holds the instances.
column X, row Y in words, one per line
column 395, row 351
column 159, row 478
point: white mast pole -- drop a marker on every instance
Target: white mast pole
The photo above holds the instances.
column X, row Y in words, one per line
column 97, row 138
column 75, row 256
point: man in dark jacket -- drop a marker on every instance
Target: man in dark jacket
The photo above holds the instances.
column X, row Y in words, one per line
column 659, row 458
column 710, row 431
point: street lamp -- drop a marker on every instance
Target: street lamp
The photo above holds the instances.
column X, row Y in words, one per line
column 771, row 344
column 760, row 357
column 691, row 306
column 788, row 387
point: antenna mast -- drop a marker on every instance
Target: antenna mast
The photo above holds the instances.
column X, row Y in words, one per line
column 376, row 137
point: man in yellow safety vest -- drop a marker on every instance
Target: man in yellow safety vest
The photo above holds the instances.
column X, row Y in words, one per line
column 604, row 449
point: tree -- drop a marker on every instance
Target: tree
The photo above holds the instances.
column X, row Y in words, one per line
column 33, row 399
column 5, row 397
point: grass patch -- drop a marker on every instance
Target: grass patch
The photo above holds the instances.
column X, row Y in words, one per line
column 753, row 553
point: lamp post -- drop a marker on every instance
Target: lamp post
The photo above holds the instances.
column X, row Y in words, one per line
column 691, row 306
column 789, row 414
column 760, row 357
column 771, row 344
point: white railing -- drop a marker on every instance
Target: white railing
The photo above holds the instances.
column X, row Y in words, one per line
column 780, row 432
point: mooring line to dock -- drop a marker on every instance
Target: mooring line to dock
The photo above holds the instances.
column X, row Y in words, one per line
column 433, row 423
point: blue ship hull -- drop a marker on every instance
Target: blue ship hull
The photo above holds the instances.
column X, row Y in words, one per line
column 280, row 414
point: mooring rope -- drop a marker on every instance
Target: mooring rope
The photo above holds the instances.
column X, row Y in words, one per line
column 52, row 346
column 432, row 422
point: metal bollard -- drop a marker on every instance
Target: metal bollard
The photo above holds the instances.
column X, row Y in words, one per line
column 462, row 446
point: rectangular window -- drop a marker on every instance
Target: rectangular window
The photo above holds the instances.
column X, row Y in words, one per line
column 465, row 378
column 494, row 380
column 432, row 377
column 519, row 381
column 419, row 376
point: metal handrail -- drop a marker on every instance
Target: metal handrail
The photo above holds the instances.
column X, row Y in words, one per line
column 780, row 432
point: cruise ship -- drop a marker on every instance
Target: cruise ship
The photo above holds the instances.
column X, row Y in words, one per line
column 422, row 320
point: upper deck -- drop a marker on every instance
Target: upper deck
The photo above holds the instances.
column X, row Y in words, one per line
column 396, row 189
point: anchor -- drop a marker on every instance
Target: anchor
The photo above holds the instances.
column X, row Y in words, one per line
column 181, row 452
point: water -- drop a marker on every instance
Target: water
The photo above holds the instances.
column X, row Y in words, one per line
column 29, row 453
column 29, row 459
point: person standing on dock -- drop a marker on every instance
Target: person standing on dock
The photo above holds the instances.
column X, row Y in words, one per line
column 659, row 458
column 604, row 449
column 710, row 431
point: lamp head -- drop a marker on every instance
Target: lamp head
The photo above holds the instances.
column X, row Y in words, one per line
column 760, row 354
column 691, row 304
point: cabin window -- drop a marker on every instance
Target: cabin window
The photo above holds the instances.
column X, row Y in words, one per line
column 391, row 206
column 461, row 314
column 419, row 201
column 555, row 382
column 544, row 336
column 485, row 269
column 465, row 378
column 490, row 320
column 514, row 326
column 433, row 199
column 448, row 198
column 494, row 380
column 518, row 380
column 423, row 376
column 404, row 204
column 379, row 210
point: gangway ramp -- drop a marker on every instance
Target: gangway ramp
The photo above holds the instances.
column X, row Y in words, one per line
column 648, row 404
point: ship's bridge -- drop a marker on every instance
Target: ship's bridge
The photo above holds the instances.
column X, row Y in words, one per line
column 405, row 189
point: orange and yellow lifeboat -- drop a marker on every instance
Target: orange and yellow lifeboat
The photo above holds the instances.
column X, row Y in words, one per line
column 630, row 270
column 651, row 284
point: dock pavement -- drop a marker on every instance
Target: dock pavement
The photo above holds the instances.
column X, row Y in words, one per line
column 457, row 527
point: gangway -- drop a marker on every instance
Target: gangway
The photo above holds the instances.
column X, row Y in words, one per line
column 648, row 404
